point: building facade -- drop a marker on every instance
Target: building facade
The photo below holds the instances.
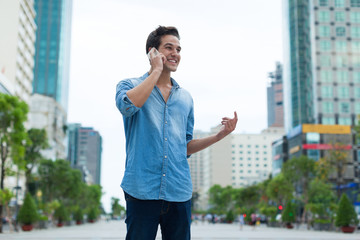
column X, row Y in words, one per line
column 322, row 62
column 17, row 49
column 84, row 152
column 46, row 113
column 275, row 102
column 52, row 56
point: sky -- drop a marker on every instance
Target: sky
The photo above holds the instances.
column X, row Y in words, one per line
column 228, row 49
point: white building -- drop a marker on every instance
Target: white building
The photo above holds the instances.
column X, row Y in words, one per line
column 46, row 113
column 238, row 160
column 17, row 30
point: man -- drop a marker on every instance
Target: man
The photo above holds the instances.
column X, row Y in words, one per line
column 158, row 120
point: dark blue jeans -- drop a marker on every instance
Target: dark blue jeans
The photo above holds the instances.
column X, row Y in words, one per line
column 144, row 216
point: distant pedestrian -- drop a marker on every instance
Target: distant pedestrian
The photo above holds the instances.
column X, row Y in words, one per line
column 253, row 220
column 241, row 221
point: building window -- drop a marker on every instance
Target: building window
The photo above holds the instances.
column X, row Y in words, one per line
column 324, row 16
column 325, row 61
column 327, row 91
column 240, row 145
column 249, row 146
column 257, row 165
column 357, row 108
column 323, row 3
column 233, row 158
column 240, row 152
column 249, row 171
column 327, row 107
column 342, row 76
column 341, row 46
column 324, row 31
column 356, row 61
column 265, row 159
column 265, row 165
column 355, row 3
column 325, row 46
column 328, row 121
column 339, row 3
column 241, row 158
column 326, row 76
column 357, row 92
column 232, row 146
column 340, row 31
column 241, row 171
column 249, row 159
column 341, row 61
column 257, row 159
column 355, row 17
column 355, row 32
column 356, row 77
column 257, row 152
column 344, row 107
column 241, row 164
column 340, row 16
column 249, row 152
column 355, row 46
column 249, row 165
column 343, row 92
column 344, row 121
column 257, row 146
column 265, row 152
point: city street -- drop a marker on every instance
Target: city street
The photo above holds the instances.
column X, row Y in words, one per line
column 116, row 230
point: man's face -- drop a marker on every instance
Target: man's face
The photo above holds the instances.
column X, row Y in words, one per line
column 170, row 48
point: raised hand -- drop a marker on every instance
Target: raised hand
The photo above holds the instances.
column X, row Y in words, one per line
column 229, row 125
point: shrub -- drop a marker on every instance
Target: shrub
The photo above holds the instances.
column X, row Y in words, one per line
column 28, row 212
column 288, row 214
column 345, row 214
column 61, row 214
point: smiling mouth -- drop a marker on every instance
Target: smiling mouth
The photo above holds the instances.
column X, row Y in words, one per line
column 172, row 61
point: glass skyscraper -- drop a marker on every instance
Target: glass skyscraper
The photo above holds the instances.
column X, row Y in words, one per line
column 52, row 55
column 322, row 62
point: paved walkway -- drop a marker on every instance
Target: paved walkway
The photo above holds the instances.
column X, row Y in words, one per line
column 116, row 230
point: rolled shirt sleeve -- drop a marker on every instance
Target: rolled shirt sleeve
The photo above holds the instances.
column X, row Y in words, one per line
column 123, row 102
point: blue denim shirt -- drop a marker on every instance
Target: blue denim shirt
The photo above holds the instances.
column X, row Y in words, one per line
column 156, row 143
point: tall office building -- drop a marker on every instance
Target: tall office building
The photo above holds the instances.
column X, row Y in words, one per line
column 52, row 56
column 322, row 62
column 275, row 100
column 17, row 31
column 84, row 151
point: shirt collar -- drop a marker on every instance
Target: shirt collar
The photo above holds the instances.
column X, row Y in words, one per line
column 174, row 83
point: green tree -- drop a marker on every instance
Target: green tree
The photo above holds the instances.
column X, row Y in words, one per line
column 280, row 189
column 37, row 141
column 247, row 197
column 345, row 215
column 321, row 199
column 300, row 171
column 116, row 208
column 221, row 198
column 337, row 158
column 13, row 114
column 58, row 181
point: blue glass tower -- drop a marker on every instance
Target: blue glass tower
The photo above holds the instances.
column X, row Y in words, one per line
column 52, row 54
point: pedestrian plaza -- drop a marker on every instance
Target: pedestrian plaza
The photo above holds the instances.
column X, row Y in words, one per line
column 110, row 230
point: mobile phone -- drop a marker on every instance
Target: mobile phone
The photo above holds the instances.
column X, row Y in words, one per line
column 152, row 50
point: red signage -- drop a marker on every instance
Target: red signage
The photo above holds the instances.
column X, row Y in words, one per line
column 325, row 146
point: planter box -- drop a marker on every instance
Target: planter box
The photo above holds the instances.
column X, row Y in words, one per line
column 348, row 229
column 322, row 226
column 27, row 227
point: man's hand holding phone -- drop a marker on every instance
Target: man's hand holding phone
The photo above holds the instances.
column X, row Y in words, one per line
column 157, row 59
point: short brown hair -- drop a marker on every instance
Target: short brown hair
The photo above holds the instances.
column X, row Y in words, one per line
column 154, row 38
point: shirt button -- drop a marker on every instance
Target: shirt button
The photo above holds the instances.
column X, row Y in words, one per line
column 164, row 174
column 165, row 139
column 165, row 156
column 165, row 122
